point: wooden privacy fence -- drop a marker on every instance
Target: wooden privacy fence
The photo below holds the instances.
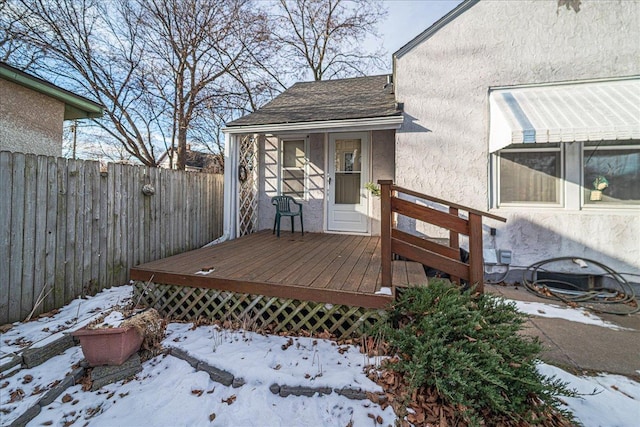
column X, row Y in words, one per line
column 432, row 254
column 67, row 228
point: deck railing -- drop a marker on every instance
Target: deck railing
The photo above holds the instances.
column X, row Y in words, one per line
column 427, row 252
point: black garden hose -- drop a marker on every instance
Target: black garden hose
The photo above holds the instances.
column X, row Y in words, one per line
column 596, row 299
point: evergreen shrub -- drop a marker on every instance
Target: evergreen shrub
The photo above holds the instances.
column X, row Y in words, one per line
column 468, row 347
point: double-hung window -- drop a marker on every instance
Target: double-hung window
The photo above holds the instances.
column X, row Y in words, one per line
column 293, row 167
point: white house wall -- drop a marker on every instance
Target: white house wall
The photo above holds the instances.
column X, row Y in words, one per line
column 442, row 147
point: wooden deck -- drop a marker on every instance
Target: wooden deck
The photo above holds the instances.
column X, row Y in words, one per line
column 327, row 268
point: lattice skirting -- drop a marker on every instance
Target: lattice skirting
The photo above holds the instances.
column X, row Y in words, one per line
column 256, row 311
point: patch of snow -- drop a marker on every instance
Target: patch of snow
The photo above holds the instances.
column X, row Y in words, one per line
column 264, row 360
column 23, row 390
column 112, row 320
column 74, row 315
column 169, row 392
column 384, row 291
column 567, row 313
column 606, row 401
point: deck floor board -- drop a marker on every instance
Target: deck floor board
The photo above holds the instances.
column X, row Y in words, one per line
column 332, row 268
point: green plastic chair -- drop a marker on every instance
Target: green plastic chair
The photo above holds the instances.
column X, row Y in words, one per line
column 283, row 208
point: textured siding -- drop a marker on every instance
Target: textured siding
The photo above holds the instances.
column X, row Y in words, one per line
column 30, row 122
column 442, row 148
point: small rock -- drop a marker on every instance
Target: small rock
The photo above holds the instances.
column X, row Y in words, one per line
column 275, row 388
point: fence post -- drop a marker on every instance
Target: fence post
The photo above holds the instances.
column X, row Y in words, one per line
column 476, row 264
column 385, row 233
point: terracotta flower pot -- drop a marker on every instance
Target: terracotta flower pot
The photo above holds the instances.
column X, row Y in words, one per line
column 108, row 346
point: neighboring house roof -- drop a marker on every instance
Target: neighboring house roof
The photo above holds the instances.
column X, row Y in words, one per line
column 354, row 98
column 75, row 106
column 457, row 11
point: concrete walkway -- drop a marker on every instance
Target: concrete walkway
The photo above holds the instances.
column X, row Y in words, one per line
column 580, row 347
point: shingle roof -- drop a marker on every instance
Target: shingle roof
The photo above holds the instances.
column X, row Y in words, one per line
column 355, row 98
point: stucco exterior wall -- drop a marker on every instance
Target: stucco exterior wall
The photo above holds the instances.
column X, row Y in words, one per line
column 314, row 207
column 382, row 167
column 30, row 122
column 442, row 147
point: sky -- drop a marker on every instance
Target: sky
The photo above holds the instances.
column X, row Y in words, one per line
column 169, row 392
column 406, row 19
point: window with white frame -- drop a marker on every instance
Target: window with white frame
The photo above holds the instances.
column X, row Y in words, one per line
column 611, row 174
column 293, row 167
column 530, row 174
column 535, row 174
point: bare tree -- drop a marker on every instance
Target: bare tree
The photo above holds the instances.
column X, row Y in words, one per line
column 323, row 36
column 193, row 47
column 157, row 66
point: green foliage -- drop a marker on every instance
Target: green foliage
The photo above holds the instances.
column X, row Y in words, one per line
column 468, row 348
column 373, row 188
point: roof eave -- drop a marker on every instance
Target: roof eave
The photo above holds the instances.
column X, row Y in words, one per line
column 457, row 11
column 371, row 123
column 76, row 106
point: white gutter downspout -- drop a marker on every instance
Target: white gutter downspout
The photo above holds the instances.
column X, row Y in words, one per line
column 230, row 199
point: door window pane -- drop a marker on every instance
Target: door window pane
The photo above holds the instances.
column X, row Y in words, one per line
column 348, row 167
column 530, row 176
column 611, row 175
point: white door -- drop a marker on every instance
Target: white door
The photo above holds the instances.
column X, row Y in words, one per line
column 348, row 207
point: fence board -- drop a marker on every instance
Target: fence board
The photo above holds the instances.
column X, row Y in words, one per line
column 51, row 232
column 61, row 233
column 28, row 235
column 6, row 175
column 79, row 226
column 40, row 252
column 72, row 230
column 17, row 232
column 102, row 227
column 68, row 226
column 96, row 200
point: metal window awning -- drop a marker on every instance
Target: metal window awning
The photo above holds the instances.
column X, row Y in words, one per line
column 594, row 111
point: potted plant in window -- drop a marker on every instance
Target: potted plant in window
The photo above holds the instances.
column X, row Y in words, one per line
column 599, row 184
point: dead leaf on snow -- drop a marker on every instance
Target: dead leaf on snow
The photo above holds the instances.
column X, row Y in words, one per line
column 212, row 417
column 197, row 392
column 16, row 395
column 67, row 398
column 229, row 400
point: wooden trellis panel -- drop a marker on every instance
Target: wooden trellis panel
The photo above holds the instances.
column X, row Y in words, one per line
column 248, row 199
column 255, row 311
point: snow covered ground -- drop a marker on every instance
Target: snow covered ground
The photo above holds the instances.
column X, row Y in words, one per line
column 579, row 314
column 169, row 392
